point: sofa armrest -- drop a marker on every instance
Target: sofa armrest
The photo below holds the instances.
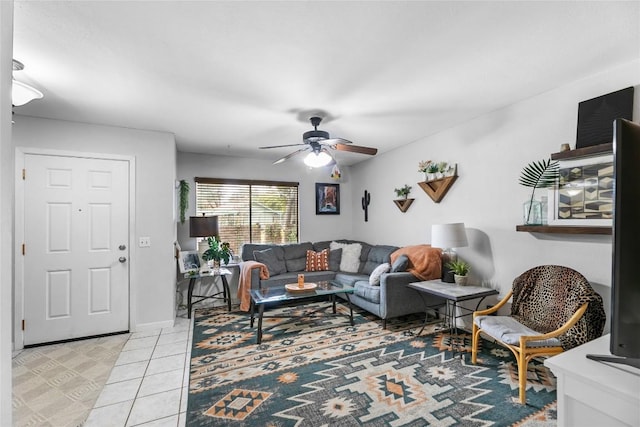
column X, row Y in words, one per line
column 397, row 299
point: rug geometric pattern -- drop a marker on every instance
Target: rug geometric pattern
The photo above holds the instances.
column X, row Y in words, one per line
column 331, row 373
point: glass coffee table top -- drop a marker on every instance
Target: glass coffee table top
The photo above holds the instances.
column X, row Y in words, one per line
column 281, row 294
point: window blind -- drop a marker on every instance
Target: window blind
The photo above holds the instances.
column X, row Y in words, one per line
column 250, row 211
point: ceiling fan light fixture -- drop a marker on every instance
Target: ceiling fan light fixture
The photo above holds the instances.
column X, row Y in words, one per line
column 22, row 93
column 317, row 160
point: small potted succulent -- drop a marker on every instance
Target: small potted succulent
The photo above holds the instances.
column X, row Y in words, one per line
column 460, row 271
column 403, row 191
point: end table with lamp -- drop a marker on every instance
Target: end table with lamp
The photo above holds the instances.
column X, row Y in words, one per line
column 448, row 237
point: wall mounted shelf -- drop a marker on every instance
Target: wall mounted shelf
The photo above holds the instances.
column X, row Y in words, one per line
column 403, row 204
column 564, row 229
column 572, row 229
column 437, row 188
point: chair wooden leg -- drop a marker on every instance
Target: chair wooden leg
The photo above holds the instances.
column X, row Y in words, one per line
column 475, row 336
column 522, row 376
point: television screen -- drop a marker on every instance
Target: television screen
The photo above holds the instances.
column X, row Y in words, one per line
column 625, row 281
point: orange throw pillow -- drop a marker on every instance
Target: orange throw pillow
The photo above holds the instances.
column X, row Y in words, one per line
column 317, row 261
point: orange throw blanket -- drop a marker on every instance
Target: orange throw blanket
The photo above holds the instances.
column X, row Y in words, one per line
column 244, row 282
column 425, row 262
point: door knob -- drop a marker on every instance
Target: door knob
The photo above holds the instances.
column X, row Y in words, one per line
column 122, row 247
column 122, row 259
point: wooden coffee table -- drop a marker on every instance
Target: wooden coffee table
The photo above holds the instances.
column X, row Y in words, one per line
column 279, row 295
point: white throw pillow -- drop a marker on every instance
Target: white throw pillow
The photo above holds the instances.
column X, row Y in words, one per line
column 374, row 278
column 350, row 262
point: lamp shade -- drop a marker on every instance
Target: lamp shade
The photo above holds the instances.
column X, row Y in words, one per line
column 203, row 226
column 448, row 236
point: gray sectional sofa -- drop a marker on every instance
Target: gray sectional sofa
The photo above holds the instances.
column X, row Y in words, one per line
column 391, row 298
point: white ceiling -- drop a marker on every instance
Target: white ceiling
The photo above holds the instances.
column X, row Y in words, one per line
column 229, row 76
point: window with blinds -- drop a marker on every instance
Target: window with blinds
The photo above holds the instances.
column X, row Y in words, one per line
column 250, row 211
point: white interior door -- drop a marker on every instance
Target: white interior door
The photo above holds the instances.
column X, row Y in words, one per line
column 76, row 228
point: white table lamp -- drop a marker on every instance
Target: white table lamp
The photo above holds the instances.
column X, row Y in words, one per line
column 448, row 237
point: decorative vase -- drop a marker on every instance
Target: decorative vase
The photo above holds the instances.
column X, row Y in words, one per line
column 460, row 280
column 430, row 176
column 532, row 212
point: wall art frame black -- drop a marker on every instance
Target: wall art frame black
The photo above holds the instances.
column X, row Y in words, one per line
column 327, row 199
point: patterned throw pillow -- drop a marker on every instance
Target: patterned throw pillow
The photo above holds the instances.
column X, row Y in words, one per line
column 317, row 261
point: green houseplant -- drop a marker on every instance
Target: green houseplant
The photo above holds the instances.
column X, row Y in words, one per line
column 538, row 174
column 184, row 199
column 217, row 251
column 460, row 271
column 403, row 191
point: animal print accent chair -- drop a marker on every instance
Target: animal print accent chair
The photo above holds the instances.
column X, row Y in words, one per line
column 545, row 297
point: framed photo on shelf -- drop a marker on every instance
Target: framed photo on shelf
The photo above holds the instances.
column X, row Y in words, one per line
column 189, row 261
column 327, row 199
column 584, row 195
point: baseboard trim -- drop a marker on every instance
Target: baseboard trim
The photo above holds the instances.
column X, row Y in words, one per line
column 143, row 327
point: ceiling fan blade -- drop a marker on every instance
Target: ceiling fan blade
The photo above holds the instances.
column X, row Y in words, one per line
column 333, row 141
column 280, row 146
column 356, row 149
column 288, row 156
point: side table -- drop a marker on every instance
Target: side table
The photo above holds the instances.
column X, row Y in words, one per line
column 452, row 294
column 221, row 273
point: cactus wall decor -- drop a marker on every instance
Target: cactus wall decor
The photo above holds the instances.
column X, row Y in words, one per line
column 366, row 199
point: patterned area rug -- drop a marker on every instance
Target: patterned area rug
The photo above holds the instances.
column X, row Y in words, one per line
column 322, row 371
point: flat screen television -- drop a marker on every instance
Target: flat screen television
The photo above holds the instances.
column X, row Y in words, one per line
column 625, row 280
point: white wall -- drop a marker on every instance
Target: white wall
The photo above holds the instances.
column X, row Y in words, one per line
column 152, row 270
column 312, row 227
column 490, row 152
column 6, row 210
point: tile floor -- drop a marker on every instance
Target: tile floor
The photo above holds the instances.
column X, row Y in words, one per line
column 149, row 383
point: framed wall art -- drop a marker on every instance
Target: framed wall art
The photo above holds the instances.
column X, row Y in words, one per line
column 584, row 195
column 189, row 261
column 327, row 199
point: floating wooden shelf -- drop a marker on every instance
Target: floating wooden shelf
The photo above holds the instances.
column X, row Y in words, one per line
column 403, row 204
column 564, row 229
column 437, row 188
column 583, row 152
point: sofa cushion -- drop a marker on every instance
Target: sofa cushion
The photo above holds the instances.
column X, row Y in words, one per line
column 378, row 254
column 349, row 279
column 350, row 261
column 295, row 255
column 374, row 277
column 273, row 258
column 509, row 330
column 247, row 249
column 317, row 261
column 400, row 264
column 367, row 292
column 318, row 246
column 335, row 256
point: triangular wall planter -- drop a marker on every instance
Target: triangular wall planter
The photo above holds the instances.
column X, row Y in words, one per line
column 437, row 188
column 403, row 204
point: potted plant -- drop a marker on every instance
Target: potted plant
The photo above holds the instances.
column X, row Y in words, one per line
column 540, row 174
column 403, row 191
column 217, row 252
column 460, row 271
column 184, row 199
